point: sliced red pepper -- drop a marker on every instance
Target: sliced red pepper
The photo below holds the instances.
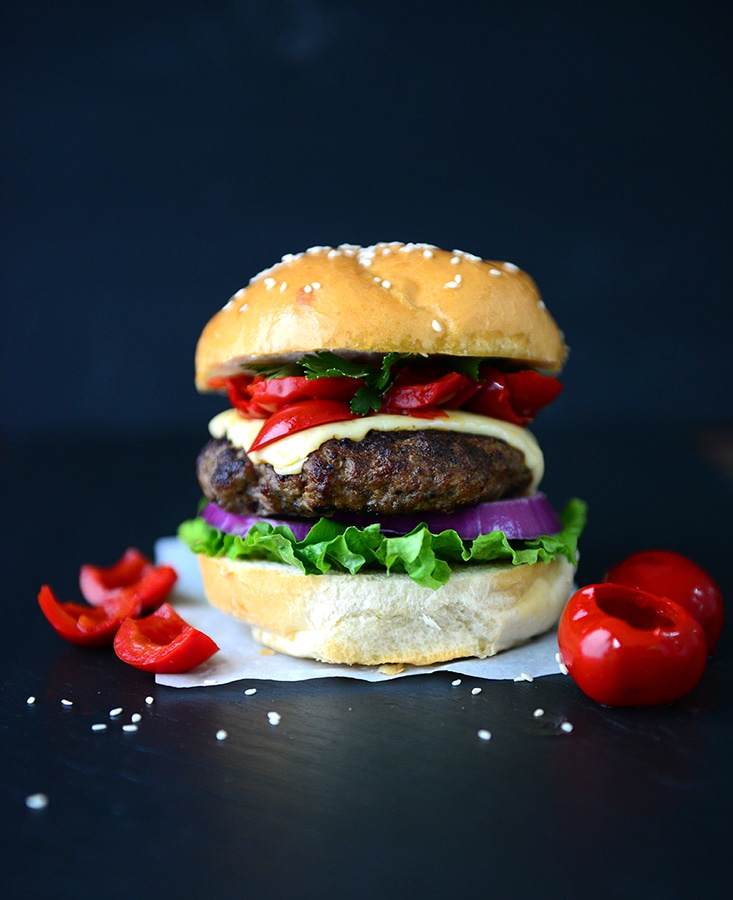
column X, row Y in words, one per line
column 413, row 391
column 298, row 417
column 88, row 626
column 514, row 397
column 626, row 647
column 162, row 642
column 98, row 584
column 275, row 393
column 132, row 572
column 240, row 398
column 154, row 586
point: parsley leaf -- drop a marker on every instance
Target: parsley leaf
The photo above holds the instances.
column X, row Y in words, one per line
column 378, row 378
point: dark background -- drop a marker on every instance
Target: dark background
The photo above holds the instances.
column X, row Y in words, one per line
column 156, row 155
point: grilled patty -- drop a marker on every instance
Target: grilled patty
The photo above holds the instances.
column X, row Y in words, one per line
column 387, row 473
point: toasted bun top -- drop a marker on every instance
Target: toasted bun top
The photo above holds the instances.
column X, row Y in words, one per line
column 406, row 298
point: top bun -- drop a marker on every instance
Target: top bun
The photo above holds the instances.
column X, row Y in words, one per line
column 406, row 298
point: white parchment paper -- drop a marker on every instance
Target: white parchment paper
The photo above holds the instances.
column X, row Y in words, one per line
column 241, row 658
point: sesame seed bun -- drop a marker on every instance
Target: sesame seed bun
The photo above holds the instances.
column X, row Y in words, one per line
column 391, row 297
column 375, row 618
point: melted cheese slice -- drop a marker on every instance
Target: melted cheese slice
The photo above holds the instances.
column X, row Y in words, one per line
column 287, row 455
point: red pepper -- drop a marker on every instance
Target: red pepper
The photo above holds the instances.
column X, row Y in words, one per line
column 514, row 397
column 413, row 391
column 88, row 626
column 99, row 584
column 678, row 578
column 298, row 417
column 241, row 399
column 133, row 572
column 162, row 642
column 627, row 647
column 275, row 393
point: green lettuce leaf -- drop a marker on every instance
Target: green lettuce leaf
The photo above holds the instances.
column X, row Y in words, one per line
column 427, row 558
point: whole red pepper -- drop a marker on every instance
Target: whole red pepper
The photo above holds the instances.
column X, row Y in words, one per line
column 162, row 642
column 626, row 647
column 680, row 579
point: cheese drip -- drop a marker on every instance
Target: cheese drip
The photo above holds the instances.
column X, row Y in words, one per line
column 287, row 455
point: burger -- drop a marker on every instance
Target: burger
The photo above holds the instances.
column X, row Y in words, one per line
column 371, row 493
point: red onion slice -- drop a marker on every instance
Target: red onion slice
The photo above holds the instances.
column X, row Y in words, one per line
column 232, row 523
column 521, row 518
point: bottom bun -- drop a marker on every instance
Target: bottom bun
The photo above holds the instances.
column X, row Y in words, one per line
column 375, row 618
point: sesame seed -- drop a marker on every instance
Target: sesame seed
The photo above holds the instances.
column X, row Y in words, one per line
column 283, row 286
column 36, row 801
column 523, row 677
column 30, row 700
column 67, row 702
column 274, row 718
column 250, row 691
column 316, row 285
column 270, row 283
column 377, row 279
column 150, row 700
column 455, row 260
column 386, row 284
column 333, row 252
column 541, row 304
column 135, row 717
column 510, row 267
column 484, row 734
column 475, row 690
column 115, row 712
column 538, row 712
column 428, row 254
column 308, row 288
column 99, row 726
column 129, row 728
column 243, row 307
column 436, row 325
column 494, row 272
column 222, row 735
column 566, row 727
column 451, row 284
column 386, row 251
column 456, row 682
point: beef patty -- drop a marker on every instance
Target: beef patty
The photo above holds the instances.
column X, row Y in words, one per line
column 387, row 473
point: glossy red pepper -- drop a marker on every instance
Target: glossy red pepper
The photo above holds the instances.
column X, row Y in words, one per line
column 132, row 572
column 514, row 397
column 275, row 393
column 680, row 579
column 298, row 417
column 626, row 647
column 414, row 391
column 88, row 626
column 98, row 584
column 241, row 399
column 162, row 642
